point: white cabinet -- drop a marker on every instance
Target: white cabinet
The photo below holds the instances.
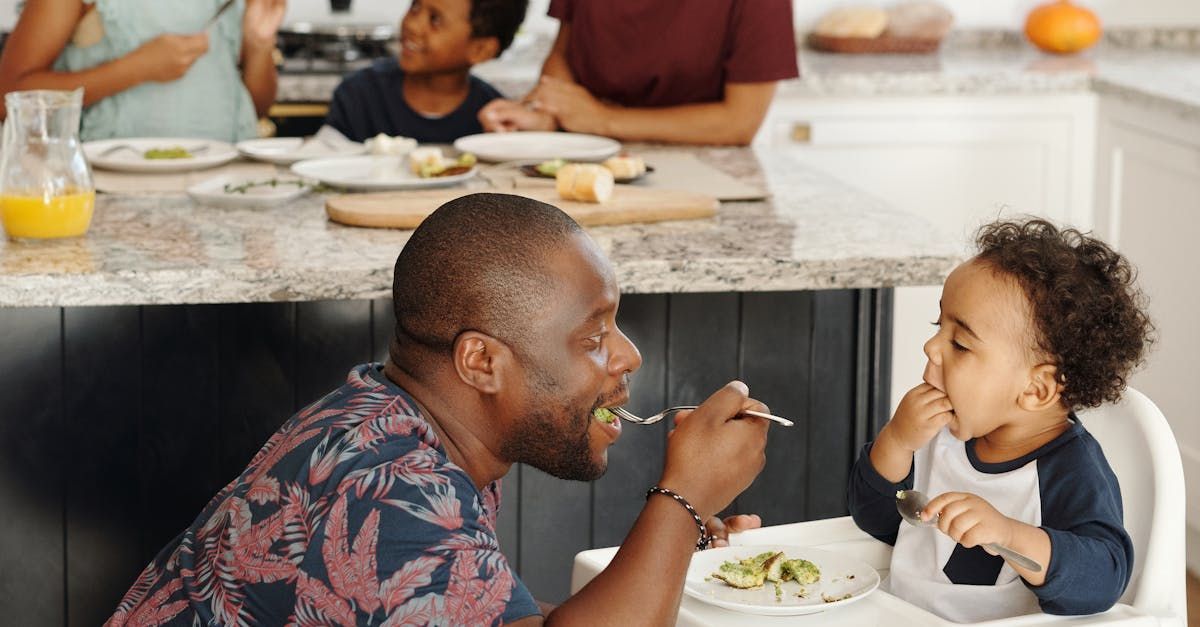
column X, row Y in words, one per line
column 956, row 161
column 1148, row 205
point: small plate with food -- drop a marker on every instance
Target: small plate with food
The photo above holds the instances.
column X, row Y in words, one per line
column 625, row 169
column 158, row 154
column 420, row 168
column 778, row 580
column 235, row 192
column 538, row 146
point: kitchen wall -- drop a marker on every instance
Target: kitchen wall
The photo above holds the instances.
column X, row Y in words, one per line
column 992, row 14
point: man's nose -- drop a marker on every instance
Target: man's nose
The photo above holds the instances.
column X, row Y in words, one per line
column 625, row 356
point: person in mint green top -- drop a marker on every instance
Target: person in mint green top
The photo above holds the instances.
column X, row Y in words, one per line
column 150, row 67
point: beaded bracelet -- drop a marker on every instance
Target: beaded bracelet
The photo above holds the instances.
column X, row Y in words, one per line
column 705, row 537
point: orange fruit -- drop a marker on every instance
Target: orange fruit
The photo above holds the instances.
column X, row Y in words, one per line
column 1062, row 27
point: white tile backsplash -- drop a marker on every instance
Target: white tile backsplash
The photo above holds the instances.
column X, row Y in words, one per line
column 971, row 14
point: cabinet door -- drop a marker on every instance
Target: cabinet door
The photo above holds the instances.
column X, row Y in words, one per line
column 1148, row 200
column 956, row 162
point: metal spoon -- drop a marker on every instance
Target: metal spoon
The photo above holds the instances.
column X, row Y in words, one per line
column 628, row 416
column 910, row 503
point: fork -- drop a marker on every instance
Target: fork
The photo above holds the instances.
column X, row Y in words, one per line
column 625, row 415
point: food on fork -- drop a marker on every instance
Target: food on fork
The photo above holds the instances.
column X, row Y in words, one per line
column 587, row 182
column 603, row 415
column 173, row 152
column 625, row 167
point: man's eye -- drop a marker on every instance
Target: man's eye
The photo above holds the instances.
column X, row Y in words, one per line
column 958, row 347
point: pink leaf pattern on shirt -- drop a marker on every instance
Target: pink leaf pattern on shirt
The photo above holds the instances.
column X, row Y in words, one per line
column 350, row 514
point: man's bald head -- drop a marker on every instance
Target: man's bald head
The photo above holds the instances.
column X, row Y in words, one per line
column 477, row 263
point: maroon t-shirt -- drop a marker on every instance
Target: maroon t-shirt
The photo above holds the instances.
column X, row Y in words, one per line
column 657, row 53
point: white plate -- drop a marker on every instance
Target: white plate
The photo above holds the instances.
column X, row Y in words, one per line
column 212, row 191
column 840, row 575
column 538, row 146
column 289, row 150
column 372, row 172
column 133, row 160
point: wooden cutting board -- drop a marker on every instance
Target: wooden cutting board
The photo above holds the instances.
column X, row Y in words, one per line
column 405, row 210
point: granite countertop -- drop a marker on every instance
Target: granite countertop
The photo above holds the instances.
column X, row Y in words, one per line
column 813, row 233
column 1157, row 68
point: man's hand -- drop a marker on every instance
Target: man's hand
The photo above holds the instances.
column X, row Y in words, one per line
column 922, row 412
column 970, row 520
column 575, row 108
column 713, row 455
column 720, row 529
column 168, row 57
column 502, row 115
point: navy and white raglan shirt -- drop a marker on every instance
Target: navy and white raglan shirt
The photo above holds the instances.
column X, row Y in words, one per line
column 1066, row 487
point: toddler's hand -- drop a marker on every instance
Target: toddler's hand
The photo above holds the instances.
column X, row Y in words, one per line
column 168, row 57
column 969, row 520
column 922, row 412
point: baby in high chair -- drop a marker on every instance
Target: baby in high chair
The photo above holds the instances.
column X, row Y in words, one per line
column 1040, row 323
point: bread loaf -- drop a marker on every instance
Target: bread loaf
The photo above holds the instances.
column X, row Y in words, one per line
column 858, row 21
column 624, row 168
column 920, row 19
column 587, row 182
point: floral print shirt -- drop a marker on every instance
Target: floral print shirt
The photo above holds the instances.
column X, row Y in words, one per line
column 350, row 514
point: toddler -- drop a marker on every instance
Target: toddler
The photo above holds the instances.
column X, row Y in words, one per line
column 1040, row 323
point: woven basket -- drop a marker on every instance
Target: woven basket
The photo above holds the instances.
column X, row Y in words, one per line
column 882, row 44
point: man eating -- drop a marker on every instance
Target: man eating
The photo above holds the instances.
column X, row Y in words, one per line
column 377, row 504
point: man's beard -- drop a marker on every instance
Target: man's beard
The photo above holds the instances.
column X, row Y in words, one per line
column 543, row 440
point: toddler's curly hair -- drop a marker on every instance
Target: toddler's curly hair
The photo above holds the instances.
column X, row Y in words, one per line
column 1087, row 311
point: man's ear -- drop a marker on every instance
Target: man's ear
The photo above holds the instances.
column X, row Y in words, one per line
column 1043, row 390
column 480, row 49
column 481, row 361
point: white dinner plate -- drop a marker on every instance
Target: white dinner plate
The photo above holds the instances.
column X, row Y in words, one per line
column 841, row 575
column 223, row 191
column 211, row 153
column 289, row 150
column 372, row 172
column 538, row 146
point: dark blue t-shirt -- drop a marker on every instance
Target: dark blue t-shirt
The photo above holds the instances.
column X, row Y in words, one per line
column 371, row 101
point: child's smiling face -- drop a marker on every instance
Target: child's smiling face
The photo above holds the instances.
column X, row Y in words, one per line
column 983, row 351
column 436, row 36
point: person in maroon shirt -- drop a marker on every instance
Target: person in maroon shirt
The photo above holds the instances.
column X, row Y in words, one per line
column 658, row 70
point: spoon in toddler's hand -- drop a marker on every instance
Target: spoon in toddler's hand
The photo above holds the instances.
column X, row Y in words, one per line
column 910, row 503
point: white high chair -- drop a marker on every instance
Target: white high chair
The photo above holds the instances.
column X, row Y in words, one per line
column 1143, row 453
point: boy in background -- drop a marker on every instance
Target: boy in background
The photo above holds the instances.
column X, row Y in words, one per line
column 1040, row 323
column 428, row 93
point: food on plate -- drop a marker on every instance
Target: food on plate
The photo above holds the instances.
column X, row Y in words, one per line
column 397, row 146
column 773, row 566
column 551, row 167
column 429, row 162
column 834, row 599
column 626, row 168
column 173, row 152
column 853, row 21
column 604, row 415
column 586, row 182
column 249, row 186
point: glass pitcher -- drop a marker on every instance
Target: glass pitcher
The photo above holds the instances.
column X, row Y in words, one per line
column 46, row 185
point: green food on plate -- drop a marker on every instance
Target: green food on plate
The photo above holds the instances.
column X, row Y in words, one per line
column 174, row 152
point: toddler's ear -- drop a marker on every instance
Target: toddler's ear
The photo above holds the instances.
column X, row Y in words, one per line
column 1043, row 390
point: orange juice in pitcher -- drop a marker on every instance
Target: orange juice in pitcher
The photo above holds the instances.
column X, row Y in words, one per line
column 45, row 184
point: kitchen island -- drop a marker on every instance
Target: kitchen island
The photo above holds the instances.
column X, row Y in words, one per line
column 148, row 361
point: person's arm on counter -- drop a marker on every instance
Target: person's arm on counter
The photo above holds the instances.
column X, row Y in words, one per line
column 260, row 23
column 45, row 27
column 733, row 120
